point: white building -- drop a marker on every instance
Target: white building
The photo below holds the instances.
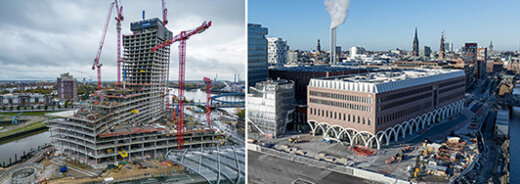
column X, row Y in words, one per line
column 270, row 105
column 355, row 51
column 276, row 51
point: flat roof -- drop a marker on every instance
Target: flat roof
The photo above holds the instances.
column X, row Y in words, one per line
column 320, row 68
column 383, row 81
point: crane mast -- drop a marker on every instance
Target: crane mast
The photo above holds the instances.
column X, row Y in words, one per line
column 181, row 38
column 208, row 100
column 98, row 55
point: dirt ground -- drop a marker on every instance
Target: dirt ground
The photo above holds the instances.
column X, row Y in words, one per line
column 128, row 171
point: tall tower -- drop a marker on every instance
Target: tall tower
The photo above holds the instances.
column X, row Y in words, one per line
column 415, row 51
column 318, row 47
column 490, row 47
column 442, row 49
column 147, row 70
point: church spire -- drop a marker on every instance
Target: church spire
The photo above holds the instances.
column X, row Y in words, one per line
column 415, row 51
column 442, row 49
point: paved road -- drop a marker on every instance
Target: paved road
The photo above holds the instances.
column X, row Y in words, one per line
column 263, row 168
column 490, row 156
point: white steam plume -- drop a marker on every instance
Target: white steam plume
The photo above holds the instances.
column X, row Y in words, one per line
column 338, row 10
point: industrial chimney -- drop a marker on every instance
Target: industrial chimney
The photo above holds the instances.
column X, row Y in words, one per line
column 333, row 46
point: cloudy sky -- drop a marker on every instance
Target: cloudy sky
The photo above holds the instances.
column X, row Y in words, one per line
column 41, row 39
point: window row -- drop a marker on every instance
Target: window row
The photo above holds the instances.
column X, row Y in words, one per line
column 404, row 101
column 342, row 97
column 451, row 97
column 342, row 105
column 404, row 94
column 400, row 114
column 451, row 88
column 350, row 118
column 452, row 82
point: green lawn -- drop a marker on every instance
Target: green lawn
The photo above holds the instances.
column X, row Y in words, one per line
column 25, row 113
column 26, row 128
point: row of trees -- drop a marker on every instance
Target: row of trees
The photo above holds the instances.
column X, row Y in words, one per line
column 66, row 105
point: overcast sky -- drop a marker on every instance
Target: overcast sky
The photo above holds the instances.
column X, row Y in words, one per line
column 41, row 39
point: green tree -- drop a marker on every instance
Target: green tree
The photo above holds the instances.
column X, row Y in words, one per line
column 46, row 107
column 11, row 108
column 59, row 106
column 17, row 107
column 3, row 108
column 241, row 113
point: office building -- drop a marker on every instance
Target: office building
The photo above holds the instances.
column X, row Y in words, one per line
column 67, row 87
column 375, row 108
column 276, row 51
column 270, row 107
column 257, row 66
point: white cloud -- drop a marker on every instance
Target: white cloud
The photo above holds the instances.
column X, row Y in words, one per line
column 41, row 39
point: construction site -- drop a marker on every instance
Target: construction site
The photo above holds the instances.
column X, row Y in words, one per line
column 132, row 120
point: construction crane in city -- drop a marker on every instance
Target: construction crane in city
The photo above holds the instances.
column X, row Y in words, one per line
column 164, row 13
column 98, row 55
column 208, row 99
column 119, row 18
column 182, row 37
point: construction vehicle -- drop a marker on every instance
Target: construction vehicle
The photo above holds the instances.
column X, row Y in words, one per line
column 123, row 154
column 294, row 140
column 252, row 141
column 118, row 167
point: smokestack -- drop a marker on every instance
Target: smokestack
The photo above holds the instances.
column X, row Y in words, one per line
column 332, row 46
column 338, row 11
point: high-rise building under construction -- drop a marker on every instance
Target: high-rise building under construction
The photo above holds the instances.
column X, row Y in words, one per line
column 128, row 120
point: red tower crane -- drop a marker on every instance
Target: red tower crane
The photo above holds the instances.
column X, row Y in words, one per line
column 98, row 55
column 208, row 97
column 119, row 18
column 164, row 13
column 182, row 37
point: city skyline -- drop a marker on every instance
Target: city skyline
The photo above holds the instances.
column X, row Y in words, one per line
column 368, row 24
column 44, row 39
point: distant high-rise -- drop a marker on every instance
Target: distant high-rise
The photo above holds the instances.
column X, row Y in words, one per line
column 318, row 47
column 354, row 51
column 67, row 87
column 470, row 52
column 415, row 51
column 442, row 48
column 257, row 67
column 425, row 52
column 276, row 51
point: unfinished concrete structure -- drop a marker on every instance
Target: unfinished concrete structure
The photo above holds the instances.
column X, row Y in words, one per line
column 130, row 117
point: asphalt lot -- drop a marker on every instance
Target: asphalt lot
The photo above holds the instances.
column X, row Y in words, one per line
column 263, row 168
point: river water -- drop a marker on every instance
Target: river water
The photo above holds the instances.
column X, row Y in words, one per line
column 514, row 146
column 8, row 150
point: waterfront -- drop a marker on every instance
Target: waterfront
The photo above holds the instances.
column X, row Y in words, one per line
column 8, row 150
column 514, row 147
